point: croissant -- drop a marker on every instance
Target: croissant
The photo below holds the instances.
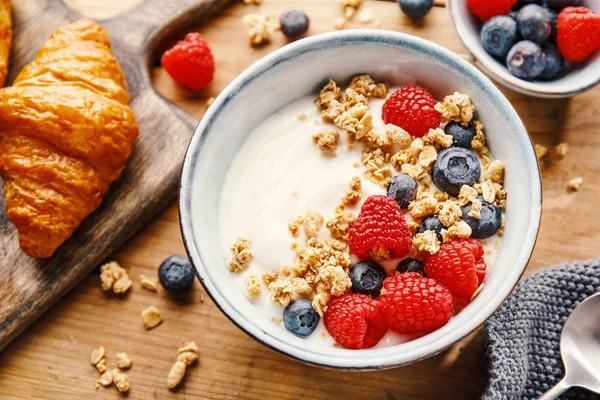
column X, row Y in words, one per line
column 66, row 132
column 5, row 38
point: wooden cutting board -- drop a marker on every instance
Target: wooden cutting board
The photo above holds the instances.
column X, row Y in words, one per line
column 149, row 182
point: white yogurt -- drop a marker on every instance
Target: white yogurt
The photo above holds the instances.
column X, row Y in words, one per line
column 279, row 174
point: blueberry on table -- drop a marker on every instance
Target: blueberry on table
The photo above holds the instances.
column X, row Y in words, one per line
column 554, row 63
column 176, row 274
column 403, row 189
column 534, row 23
column 454, row 168
column 411, row 265
column 300, row 318
column 367, row 278
column 415, row 9
column 431, row 223
column 526, row 60
column 294, row 23
column 462, row 136
column 498, row 35
column 488, row 224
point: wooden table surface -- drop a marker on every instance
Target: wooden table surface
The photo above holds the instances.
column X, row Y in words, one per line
column 51, row 359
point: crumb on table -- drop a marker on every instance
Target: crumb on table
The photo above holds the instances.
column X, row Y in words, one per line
column 148, row 283
column 115, row 278
column 561, row 149
column 575, row 184
column 151, row 317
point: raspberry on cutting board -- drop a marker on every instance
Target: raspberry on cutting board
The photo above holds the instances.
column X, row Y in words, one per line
column 355, row 321
column 412, row 109
column 413, row 304
column 459, row 266
column 380, row 231
column 578, row 33
column 190, row 62
column 486, row 9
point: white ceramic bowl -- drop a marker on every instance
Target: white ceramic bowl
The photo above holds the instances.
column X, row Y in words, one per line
column 298, row 70
column 582, row 76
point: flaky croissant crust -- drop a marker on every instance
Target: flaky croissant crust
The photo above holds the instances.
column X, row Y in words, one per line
column 66, row 133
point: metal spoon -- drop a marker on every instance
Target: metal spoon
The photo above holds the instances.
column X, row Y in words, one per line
column 580, row 349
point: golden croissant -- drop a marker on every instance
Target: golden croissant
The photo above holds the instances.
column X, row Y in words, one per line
column 66, row 132
column 5, row 38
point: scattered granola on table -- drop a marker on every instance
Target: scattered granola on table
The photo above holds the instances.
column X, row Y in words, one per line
column 561, row 149
column 575, row 184
column 151, row 317
column 188, row 354
column 259, row 28
column 123, row 361
column 115, row 278
column 147, row 283
column 540, row 151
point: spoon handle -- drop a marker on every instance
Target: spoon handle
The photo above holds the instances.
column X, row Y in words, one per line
column 556, row 390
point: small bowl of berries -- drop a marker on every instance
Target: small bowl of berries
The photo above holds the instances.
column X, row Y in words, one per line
column 542, row 48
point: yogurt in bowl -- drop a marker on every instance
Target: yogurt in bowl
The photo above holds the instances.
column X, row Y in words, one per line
column 222, row 197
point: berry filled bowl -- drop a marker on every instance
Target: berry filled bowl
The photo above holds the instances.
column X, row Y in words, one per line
column 360, row 199
column 542, row 48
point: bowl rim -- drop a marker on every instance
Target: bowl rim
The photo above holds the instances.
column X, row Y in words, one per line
column 520, row 85
column 315, row 43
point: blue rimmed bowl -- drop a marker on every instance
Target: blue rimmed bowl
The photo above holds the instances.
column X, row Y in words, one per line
column 582, row 76
column 298, row 70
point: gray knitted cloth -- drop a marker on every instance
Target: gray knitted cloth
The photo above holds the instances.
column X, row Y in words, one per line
column 524, row 334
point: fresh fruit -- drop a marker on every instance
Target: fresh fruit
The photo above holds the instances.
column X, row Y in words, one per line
column 486, row 9
column 176, row 274
column 534, row 23
column 526, row 60
column 412, row 109
column 415, row 9
column 300, row 318
column 380, row 228
column 294, row 23
column 554, row 63
column 414, row 304
column 459, row 266
column 431, row 223
column 190, row 62
column 461, row 136
column 367, row 278
column 488, row 224
column 403, row 189
column 498, row 35
column 553, row 19
column 355, row 321
column 558, row 5
column 455, row 167
column 411, row 265
column 578, row 33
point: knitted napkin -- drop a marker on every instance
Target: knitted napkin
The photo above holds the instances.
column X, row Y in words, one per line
column 524, row 334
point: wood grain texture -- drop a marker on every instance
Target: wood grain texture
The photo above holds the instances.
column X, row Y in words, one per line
column 29, row 286
column 51, row 359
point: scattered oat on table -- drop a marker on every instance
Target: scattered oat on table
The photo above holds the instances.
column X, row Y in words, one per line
column 365, row 15
column 151, row 317
column 540, row 151
column 188, row 354
column 105, row 379
column 340, row 23
column 209, row 101
column 561, row 149
column 149, row 283
column 120, row 380
column 123, row 361
column 115, row 278
column 97, row 355
column 259, row 28
column 575, row 184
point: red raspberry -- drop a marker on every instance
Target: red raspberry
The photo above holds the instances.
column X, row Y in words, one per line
column 379, row 229
column 355, row 321
column 578, row 33
column 190, row 62
column 459, row 266
column 486, row 9
column 413, row 304
column 411, row 108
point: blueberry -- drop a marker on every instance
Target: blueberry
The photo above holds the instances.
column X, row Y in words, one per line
column 526, row 60
column 498, row 35
column 294, row 23
column 558, row 5
column 403, row 189
column 431, row 223
column 534, row 23
column 553, row 30
column 461, row 136
column 300, row 317
column 176, row 274
column 488, row 224
column 411, row 265
column 513, row 15
column 367, row 278
column 522, row 3
column 455, row 167
column 554, row 63
column 415, row 9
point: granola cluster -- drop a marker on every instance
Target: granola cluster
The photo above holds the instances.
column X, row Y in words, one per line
column 353, row 195
column 260, row 28
column 114, row 376
column 151, row 317
column 456, row 107
column 115, row 278
column 241, row 255
column 188, row 354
